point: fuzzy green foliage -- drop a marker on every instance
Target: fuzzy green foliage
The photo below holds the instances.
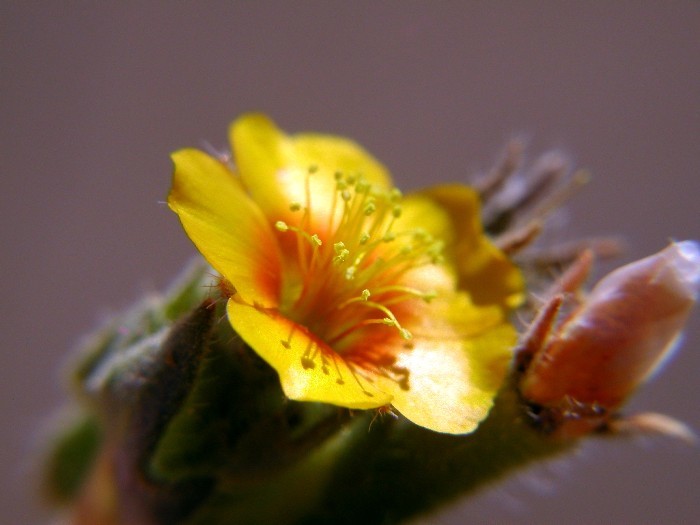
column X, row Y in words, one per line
column 74, row 450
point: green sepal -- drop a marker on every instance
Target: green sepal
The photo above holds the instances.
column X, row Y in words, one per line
column 70, row 455
column 236, row 410
column 396, row 470
column 150, row 315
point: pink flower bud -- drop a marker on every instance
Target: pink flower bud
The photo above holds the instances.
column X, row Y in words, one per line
column 628, row 325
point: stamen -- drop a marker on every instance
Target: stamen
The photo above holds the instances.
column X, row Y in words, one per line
column 407, row 290
column 314, row 239
column 390, row 319
column 362, row 186
column 341, row 253
column 307, row 187
column 364, row 296
column 364, row 324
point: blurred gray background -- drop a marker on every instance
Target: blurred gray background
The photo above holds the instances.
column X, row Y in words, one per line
column 94, row 96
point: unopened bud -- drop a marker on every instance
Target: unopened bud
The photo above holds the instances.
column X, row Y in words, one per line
column 617, row 337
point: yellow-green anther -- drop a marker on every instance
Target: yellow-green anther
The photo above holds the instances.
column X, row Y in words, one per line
column 396, row 211
column 281, row 226
column 295, row 206
column 362, row 186
column 365, row 294
column 436, row 257
column 315, row 240
column 434, row 252
column 420, row 234
column 429, row 296
column 341, row 253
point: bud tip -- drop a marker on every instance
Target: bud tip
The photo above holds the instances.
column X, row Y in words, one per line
column 688, row 263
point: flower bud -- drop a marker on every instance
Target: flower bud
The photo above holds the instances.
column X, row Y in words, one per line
column 591, row 362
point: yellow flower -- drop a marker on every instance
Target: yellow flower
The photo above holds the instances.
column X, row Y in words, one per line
column 356, row 295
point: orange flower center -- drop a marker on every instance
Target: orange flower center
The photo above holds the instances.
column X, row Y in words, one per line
column 351, row 285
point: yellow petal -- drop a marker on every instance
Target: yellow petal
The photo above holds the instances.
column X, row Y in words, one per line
column 275, row 168
column 421, row 212
column 455, row 315
column 339, row 154
column 225, row 225
column 484, row 271
column 308, row 369
column 452, row 382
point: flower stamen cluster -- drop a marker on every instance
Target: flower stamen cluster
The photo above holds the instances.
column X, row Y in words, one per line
column 368, row 255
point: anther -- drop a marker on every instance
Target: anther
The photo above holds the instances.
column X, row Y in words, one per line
column 281, row 226
column 420, row 234
column 429, row 296
column 362, row 186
